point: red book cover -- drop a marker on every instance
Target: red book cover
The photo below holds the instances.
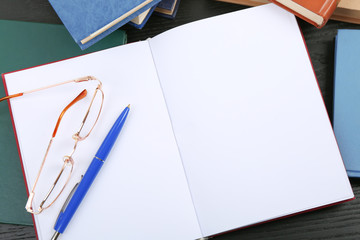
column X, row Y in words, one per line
column 316, row 12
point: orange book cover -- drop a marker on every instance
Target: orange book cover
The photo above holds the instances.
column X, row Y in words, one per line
column 316, row 12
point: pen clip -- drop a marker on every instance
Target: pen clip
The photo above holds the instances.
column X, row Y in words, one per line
column 69, row 197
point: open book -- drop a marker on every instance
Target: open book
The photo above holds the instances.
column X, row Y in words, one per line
column 227, row 129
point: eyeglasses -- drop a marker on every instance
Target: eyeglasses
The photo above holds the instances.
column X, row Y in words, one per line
column 80, row 135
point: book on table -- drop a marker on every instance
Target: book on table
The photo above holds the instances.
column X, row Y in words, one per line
column 346, row 10
column 91, row 21
column 222, row 144
column 44, row 43
column 346, row 98
column 167, row 8
column 316, row 12
column 251, row 3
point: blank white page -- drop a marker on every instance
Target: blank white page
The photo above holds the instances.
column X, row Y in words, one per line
column 249, row 119
column 141, row 191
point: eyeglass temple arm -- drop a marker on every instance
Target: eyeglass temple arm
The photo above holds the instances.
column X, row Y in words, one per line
column 11, row 96
column 77, row 80
column 78, row 98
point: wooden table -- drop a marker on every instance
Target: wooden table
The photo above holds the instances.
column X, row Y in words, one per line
column 336, row 222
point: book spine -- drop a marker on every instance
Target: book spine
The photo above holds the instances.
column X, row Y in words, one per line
column 329, row 10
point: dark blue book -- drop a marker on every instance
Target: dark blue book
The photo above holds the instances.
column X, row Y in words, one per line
column 90, row 21
column 167, row 8
column 347, row 99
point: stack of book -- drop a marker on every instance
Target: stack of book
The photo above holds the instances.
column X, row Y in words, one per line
column 91, row 21
column 346, row 10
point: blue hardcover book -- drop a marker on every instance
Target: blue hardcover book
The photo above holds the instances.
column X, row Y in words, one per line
column 347, row 98
column 167, row 8
column 90, row 21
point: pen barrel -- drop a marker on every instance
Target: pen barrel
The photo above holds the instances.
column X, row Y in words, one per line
column 90, row 174
column 65, row 217
column 109, row 141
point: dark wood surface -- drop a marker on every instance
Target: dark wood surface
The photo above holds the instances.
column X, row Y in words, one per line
column 336, row 222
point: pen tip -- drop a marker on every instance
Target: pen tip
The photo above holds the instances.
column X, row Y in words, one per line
column 55, row 236
column 128, row 106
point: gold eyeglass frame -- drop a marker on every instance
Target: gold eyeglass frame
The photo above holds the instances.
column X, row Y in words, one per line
column 68, row 160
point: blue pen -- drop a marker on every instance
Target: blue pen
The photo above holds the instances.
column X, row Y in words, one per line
column 69, row 209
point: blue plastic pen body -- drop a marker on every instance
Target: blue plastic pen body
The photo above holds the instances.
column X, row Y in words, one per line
column 96, row 164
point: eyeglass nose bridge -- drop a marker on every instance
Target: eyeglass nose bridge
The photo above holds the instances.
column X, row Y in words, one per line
column 68, row 160
column 77, row 137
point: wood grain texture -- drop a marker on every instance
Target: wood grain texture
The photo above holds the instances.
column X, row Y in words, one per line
column 341, row 222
